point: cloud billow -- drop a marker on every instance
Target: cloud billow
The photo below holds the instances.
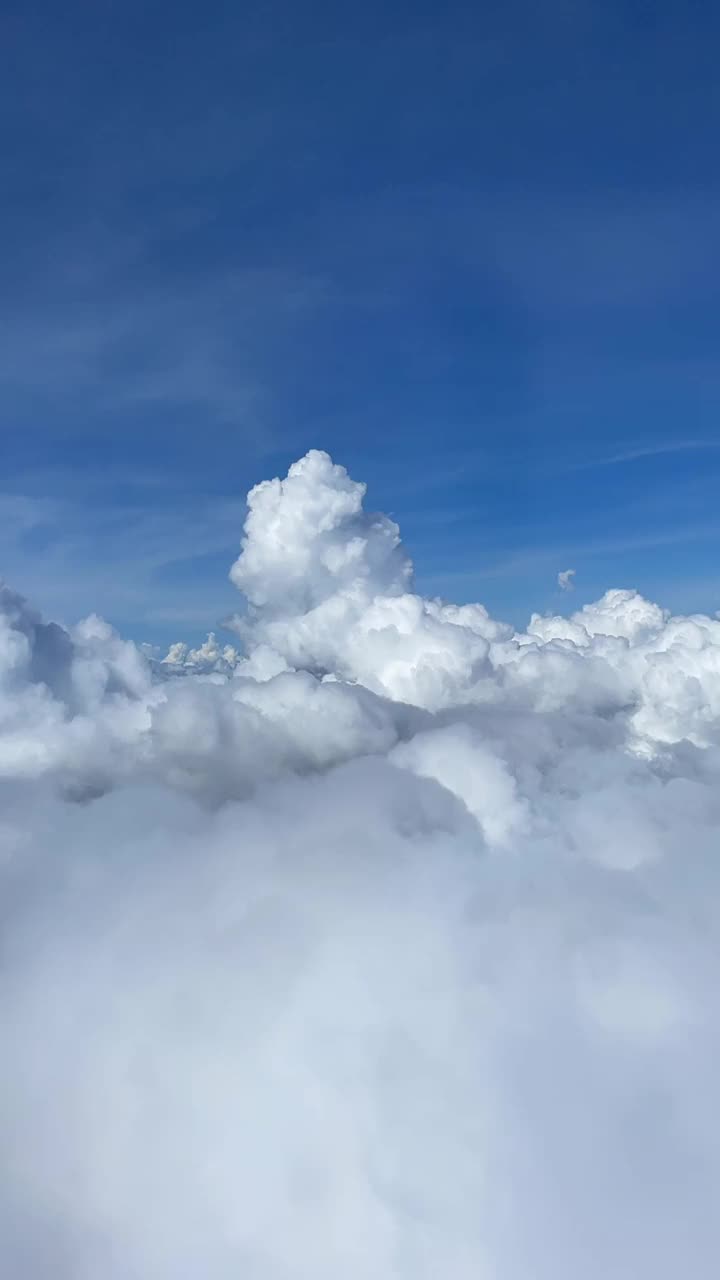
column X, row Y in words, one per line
column 379, row 944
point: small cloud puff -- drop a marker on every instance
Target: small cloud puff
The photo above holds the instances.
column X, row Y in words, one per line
column 565, row 579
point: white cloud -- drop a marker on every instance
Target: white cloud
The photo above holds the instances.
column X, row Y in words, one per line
column 386, row 947
column 565, row 579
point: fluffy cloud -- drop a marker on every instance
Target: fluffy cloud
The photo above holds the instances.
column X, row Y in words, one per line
column 385, row 946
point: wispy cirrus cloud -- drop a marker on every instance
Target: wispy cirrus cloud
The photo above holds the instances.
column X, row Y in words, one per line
column 661, row 449
column 131, row 558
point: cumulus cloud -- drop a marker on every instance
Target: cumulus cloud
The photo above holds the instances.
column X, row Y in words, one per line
column 181, row 659
column 381, row 944
column 565, row 579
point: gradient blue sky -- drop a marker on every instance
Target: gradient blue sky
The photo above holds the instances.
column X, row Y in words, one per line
column 470, row 249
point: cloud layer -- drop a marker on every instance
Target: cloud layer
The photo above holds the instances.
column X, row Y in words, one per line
column 381, row 944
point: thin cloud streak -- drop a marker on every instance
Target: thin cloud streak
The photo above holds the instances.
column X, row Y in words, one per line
column 646, row 451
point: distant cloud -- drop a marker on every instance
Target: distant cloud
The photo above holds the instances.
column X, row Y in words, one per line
column 565, row 579
column 648, row 451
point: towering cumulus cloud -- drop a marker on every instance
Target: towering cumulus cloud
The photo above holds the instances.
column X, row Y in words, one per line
column 383, row 944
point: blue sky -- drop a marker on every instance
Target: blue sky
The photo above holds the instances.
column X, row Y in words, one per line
column 469, row 249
